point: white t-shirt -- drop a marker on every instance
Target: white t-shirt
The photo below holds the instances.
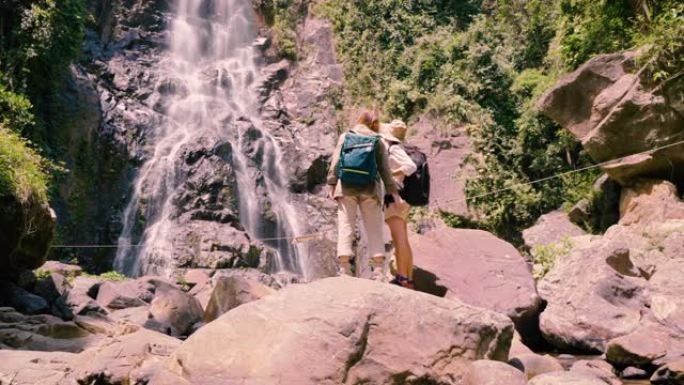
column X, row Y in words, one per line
column 399, row 160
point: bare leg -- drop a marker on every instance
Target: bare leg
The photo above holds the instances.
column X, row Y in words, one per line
column 399, row 231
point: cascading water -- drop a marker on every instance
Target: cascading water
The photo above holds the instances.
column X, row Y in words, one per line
column 212, row 60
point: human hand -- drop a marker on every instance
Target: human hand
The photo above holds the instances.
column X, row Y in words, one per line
column 331, row 191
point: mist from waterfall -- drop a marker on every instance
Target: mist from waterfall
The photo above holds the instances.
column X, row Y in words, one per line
column 214, row 69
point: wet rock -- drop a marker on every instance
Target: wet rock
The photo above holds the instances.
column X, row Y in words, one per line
column 13, row 296
column 345, row 330
column 231, row 292
column 550, row 228
column 484, row 372
column 566, row 378
column 479, row 269
column 534, row 364
column 272, row 76
column 671, row 373
column 174, row 312
column 615, row 114
column 650, row 201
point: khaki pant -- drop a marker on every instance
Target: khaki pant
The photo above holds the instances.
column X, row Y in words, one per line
column 371, row 215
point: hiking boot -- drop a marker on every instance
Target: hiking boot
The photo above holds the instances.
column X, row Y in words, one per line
column 403, row 281
column 345, row 269
column 378, row 274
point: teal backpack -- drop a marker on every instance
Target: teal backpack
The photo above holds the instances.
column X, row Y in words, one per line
column 357, row 165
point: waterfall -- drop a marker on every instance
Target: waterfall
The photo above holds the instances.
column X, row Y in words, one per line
column 212, row 68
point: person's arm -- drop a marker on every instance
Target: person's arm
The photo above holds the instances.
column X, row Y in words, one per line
column 382, row 158
column 331, row 179
column 406, row 164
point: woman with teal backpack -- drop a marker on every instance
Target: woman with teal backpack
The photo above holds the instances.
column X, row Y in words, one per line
column 359, row 168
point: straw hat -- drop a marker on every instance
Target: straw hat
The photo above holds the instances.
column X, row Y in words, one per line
column 394, row 131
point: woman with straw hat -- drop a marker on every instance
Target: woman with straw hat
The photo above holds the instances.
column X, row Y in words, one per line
column 396, row 215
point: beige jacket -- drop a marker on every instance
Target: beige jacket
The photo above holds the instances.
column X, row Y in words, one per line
column 384, row 172
column 400, row 162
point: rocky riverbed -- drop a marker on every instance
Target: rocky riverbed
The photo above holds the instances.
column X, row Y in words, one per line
column 604, row 309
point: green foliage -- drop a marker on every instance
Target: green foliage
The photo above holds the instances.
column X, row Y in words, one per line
column 482, row 66
column 588, row 27
column 458, row 221
column 183, row 283
column 665, row 42
column 42, row 274
column 283, row 16
column 114, row 276
column 21, row 168
column 15, row 110
column 545, row 256
column 39, row 38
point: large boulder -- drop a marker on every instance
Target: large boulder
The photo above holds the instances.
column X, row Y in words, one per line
column 479, row 269
column 535, row 364
column 124, row 294
column 584, row 311
column 14, row 296
column 551, row 228
column 639, row 348
column 567, row 378
column 65, row 269
column 630, row 306
column 27, row 227
column 650, row 201
column 614, row 113
column 174, row 311
column 598, row 368
column 231, row 292
column 486, row 372
column 81, row 296
column 343, row 330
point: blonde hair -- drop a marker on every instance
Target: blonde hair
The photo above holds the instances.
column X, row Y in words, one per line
column 369, row 119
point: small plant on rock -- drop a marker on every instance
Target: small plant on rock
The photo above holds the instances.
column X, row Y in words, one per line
column 545, row 256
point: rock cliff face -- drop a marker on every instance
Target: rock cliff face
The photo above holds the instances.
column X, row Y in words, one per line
column 114, row 104
column 615, row 113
